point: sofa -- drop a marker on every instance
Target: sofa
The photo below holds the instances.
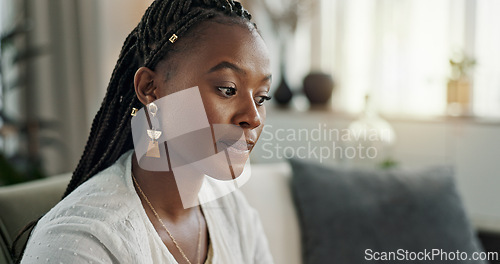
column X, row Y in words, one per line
column 315, row 214
column 23, row 203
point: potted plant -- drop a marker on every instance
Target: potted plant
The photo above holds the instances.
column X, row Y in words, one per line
column 459, row 85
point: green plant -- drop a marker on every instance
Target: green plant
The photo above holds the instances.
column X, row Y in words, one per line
column 461, row 65
column 22, row 162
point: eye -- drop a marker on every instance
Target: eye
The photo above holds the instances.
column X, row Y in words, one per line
column 227, row 91
column 259, row 100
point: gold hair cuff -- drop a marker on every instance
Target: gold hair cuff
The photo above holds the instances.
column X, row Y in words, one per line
column 134, row 111
column 173, row 38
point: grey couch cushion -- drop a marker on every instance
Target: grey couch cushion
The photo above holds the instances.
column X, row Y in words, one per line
column 343, row 213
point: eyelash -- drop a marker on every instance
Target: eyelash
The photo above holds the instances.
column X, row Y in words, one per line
column 263, row 99
column 233, row 92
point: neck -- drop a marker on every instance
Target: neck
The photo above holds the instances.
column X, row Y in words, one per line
column 171, row 196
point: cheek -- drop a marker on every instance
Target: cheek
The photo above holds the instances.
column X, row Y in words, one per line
column 217, row 112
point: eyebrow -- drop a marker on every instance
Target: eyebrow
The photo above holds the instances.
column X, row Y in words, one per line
column 227, row 65
column 268, row 78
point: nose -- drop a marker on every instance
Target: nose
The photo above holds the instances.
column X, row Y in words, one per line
column 247, row 114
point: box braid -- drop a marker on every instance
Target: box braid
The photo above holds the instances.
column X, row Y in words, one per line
column 147, row 45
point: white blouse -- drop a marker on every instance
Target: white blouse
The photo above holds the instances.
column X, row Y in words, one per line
column 103, row 221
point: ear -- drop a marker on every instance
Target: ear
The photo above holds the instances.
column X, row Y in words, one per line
column 144, row 83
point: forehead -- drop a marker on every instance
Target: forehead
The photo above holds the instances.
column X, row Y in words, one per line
column 240, row 43
column 215, row 42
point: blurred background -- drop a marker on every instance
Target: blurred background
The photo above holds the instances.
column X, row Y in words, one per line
column 427, row 72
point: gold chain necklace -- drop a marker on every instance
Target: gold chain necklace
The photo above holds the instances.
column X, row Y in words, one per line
column 166, row 229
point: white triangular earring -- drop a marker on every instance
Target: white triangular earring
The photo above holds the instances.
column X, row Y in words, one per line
column 153, row 133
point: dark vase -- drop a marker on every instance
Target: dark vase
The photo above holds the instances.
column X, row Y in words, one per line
column 318, row 88
column 283, row 95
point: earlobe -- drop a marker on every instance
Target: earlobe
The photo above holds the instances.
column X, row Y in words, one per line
column 144, row 85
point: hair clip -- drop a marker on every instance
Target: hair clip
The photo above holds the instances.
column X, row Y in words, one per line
column 134, row 111
column 173, row 38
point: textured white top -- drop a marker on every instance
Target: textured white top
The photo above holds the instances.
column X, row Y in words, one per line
column 103, row 221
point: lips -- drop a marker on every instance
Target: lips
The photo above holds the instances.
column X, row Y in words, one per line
column 236, row 146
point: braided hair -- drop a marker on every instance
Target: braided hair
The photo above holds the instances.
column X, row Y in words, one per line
column 151, row 42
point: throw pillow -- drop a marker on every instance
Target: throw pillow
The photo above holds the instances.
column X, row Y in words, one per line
column 352, row 216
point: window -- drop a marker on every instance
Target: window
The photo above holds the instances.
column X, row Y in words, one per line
column 486, row 100
column 399, row 50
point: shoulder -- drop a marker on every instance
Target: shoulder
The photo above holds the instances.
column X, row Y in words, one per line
column 96, row 215
column 105, row 197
